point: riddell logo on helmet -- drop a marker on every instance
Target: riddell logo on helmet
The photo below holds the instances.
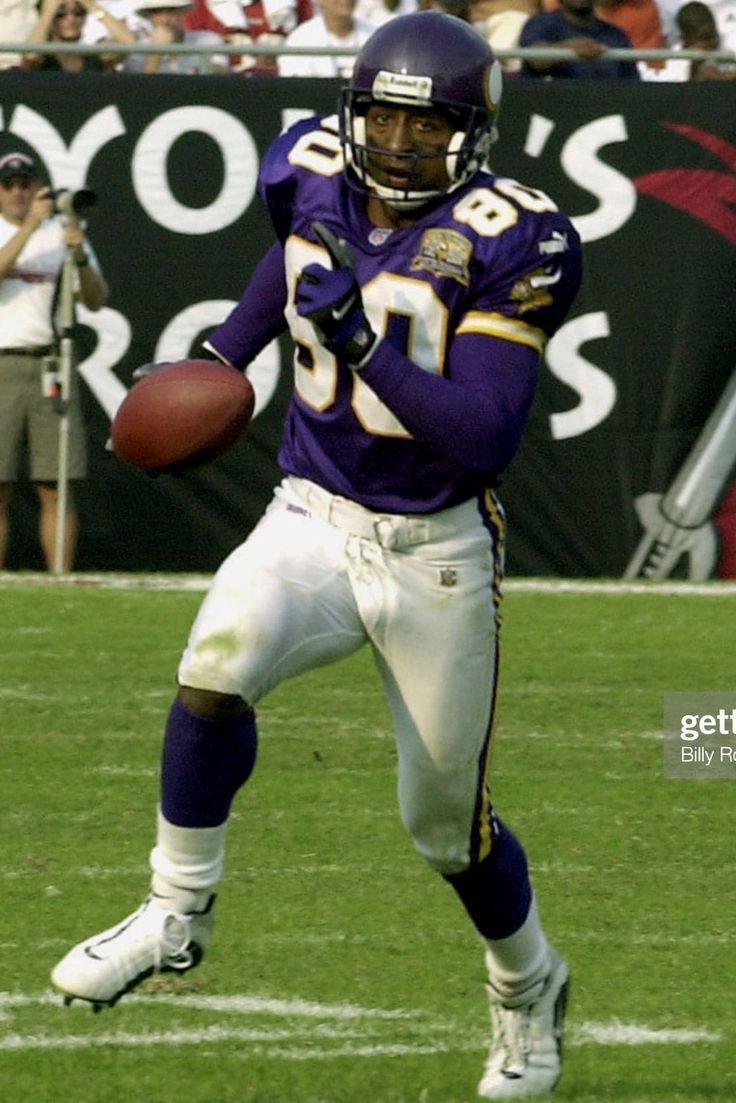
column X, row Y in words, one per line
column 402, row 87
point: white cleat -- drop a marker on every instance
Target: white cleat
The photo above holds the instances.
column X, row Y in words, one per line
column 525, row 1060
column 151, row 940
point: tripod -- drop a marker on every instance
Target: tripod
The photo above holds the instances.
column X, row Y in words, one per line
column 64, row 369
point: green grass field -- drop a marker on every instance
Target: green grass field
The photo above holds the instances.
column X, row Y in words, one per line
column 343, row 969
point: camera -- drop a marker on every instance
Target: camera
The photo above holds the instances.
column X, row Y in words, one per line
column 73, row 204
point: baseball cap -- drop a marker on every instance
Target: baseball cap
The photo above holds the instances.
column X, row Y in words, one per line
column 17, row 164
column 146, row 5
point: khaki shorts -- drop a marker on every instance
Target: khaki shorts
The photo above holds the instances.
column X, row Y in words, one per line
column 30, row 424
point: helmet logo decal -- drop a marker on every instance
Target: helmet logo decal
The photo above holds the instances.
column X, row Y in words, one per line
column 402, row 87
column 494, row 86
column 444, row 253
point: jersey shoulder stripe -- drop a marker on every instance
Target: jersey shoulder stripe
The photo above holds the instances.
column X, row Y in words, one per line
column 493, row 324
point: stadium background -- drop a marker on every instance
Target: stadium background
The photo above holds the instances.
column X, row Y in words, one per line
column 648, row 174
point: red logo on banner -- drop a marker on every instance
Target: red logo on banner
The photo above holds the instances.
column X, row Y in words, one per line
column 708, row 195
column 702, row 193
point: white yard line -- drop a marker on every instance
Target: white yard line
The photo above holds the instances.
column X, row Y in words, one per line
column 396, row 1049
column 264, row 1005
column 199, row 583
column 617, row 587
column 629, row 1034
column 179, row 583
column 345, row 1030
column 239, row 1005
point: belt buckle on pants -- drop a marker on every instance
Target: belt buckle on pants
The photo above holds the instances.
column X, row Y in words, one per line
column 391, row 533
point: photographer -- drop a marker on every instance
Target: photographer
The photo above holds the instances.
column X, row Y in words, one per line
column 34, row 243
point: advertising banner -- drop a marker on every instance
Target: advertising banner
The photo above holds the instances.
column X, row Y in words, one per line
column 628, row 463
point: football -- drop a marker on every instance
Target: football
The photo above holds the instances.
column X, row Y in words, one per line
column 182, row 415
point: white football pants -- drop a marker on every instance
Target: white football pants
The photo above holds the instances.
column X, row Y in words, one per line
column 320, row 576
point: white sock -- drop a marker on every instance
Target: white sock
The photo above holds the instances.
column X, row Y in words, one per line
column 187, row 864
column 518, row 965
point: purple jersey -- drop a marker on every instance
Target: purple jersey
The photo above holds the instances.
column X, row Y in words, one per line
column 464, row 300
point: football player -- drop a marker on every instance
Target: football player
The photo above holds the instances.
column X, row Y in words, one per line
column 419, row 289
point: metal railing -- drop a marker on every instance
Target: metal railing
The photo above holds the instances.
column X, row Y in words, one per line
column 254, row 49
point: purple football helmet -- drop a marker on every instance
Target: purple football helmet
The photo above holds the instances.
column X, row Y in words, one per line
column 426, row 59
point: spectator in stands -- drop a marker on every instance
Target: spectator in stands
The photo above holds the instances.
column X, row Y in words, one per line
column 459, row 8
column 641, row 21
column 335, row 26
column 576, row 27
column 697, row 31
column 667, row 12
column 501, row 22
column 166, row 19
column 266, row 22
column 379, row 12
column 124, row 10
column 724, row 13
column 17, row 20
column 62, row 21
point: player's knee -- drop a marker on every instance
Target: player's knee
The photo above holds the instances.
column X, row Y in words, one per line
column 443, row 843
column 446, row 862
column 211, row 705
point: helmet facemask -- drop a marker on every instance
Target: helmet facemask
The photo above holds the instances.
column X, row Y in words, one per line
column 467, row 149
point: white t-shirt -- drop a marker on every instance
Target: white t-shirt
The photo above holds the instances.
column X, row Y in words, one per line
column 313, row 32
column 183, row 63
column 126, row 10
column 27, row 292
column 373, row 11
column 674, row 69
column 724, row 12
column 281, row 14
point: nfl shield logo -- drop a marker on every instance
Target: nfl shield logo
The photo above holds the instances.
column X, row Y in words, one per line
column 448, row 576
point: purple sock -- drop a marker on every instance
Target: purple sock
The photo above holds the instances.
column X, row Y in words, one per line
column 496, row 892
column 204, row 763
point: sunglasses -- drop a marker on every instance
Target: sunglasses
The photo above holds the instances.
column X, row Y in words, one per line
column 21, row 182
column 78, row 13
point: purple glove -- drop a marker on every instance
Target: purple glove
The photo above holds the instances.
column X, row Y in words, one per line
column 330, row 298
